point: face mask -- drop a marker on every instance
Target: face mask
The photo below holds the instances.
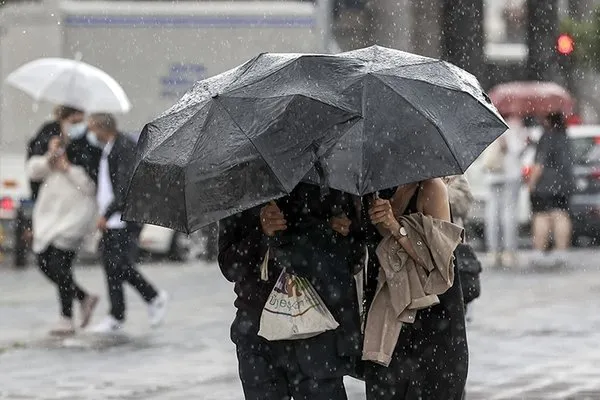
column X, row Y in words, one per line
column 76, row 131
column 93, row 139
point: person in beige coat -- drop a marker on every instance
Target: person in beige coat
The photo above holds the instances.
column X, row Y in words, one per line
column 406, row 285
column 430, row 358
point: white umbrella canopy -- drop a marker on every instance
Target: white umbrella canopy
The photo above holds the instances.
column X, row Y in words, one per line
column 71, row 83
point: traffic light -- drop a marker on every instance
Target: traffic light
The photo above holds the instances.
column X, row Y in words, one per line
column 565, row 44
column 565, row 47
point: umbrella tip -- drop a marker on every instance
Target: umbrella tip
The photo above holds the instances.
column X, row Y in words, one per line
column 78, row 56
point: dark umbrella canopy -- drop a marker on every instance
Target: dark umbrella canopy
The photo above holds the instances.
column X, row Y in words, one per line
column 367, row 119
column 222, row 149
column 421, row 118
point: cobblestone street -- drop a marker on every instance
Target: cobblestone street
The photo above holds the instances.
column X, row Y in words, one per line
column 533, row 335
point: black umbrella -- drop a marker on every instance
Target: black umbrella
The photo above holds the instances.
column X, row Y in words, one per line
column 221, row 150
column 250, row 135
column 421, row 118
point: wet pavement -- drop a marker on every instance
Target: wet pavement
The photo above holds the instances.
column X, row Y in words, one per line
column 534, row 335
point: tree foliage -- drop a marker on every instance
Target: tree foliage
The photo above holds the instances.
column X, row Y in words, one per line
column 586, row 35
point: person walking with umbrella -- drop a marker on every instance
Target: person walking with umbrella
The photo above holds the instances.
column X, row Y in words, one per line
column 119, row 238
column 314, row 237
column 66, row 162
column 551, row 184
column 430, row 358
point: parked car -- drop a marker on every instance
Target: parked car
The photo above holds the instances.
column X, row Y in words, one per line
column 585, row 203
column 154, row 240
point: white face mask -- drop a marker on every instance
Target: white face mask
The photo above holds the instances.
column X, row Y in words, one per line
column 76, row 131
column 93, row 139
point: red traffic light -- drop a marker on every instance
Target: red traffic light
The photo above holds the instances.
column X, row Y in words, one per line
column 565, row 44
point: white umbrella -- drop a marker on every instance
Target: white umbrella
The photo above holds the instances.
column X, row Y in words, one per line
column 70, row 83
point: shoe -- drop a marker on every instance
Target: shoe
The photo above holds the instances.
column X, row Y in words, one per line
column 64, row 327
column 109, row 325
column 88, row 305
column 495, row 258
column 157, row 309
column 508, row 259
column 560, row 258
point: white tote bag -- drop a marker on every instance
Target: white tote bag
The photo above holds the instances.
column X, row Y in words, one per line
column 294, row 310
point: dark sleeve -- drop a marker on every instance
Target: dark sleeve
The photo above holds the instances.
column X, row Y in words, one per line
column 242, row 245
column 126, row 160
column 38, row 145
column 80, row 152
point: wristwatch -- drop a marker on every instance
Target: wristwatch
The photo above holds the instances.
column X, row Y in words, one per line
column 402, row 232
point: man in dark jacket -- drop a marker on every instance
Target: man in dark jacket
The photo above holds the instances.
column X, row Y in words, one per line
column 309, row 236
column 119, row 239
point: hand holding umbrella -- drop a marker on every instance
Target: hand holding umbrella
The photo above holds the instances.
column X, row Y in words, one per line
column 382, row 215
column 341, row 224
column 272, row 219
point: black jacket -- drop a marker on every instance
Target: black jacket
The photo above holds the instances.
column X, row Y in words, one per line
column 79, row 152
column 38, row 146
column 120, row 165
column 309, row 248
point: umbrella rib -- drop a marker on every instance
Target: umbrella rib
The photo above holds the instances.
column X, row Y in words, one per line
column 261, row 78
column 185, row 211
column 217, row 101
column 427, row 119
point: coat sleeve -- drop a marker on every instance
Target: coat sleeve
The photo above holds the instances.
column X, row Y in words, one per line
column 125, row 158
column 79, row 176
column 242, row 245
column 38, row 168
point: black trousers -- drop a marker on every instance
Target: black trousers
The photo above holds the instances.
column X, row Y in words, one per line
column 278, row 376
column 119, row 250
column 57, row 265
column 276, row 371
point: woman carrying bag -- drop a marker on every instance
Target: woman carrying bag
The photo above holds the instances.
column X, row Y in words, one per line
column 427, row 357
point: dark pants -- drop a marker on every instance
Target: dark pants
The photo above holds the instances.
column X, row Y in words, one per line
column 277, row 371
column 278, row 376
column 57, row 264
column 119, row 248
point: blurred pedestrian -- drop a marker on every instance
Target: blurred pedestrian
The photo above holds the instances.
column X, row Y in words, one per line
column 314, row 237
column 64, row 117
column 430, row 357
column 460, row 197
column 469, row 266
column 119, row 239
column 551, row 185
column 503, row 161
column 63, row 165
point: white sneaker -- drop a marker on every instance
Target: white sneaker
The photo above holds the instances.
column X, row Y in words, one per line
column 157, row 309
column 109, row 325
